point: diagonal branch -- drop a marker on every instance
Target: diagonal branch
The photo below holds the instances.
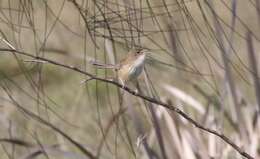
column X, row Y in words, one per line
column 48, row 124
column 152, row 100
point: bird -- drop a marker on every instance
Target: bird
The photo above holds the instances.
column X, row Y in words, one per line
column 130, row 67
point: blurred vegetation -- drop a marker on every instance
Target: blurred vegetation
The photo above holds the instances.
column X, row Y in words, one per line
column 202, row 62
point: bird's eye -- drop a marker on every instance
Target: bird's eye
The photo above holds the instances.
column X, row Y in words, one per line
column 139, row 52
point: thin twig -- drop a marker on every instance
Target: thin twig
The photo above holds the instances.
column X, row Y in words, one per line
column 35, row 61
column 7, row 43
column 48, row 124
column 86, row 80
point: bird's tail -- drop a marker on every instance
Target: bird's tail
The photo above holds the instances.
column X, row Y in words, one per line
column 104, row 66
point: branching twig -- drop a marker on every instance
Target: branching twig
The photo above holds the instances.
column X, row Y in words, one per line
column 152, row 100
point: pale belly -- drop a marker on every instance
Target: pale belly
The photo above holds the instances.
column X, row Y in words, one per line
column 131, row 71
column 134, row 72
column 127, row 73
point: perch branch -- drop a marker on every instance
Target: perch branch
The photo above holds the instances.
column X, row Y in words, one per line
column 152, row 100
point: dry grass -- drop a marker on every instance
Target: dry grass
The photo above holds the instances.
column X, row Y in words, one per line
column 204, row 61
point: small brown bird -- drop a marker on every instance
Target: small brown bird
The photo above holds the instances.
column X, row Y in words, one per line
column 130, row 67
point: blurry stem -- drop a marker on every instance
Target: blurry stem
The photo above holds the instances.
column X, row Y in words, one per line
column 112, row 121
column 139, row 129
column 257, row 3
column 134, row 93
column 155, row 120
column 228, row 72
column 217, row 104
column 254, row 70
column 48, row 124
column 85, row 20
